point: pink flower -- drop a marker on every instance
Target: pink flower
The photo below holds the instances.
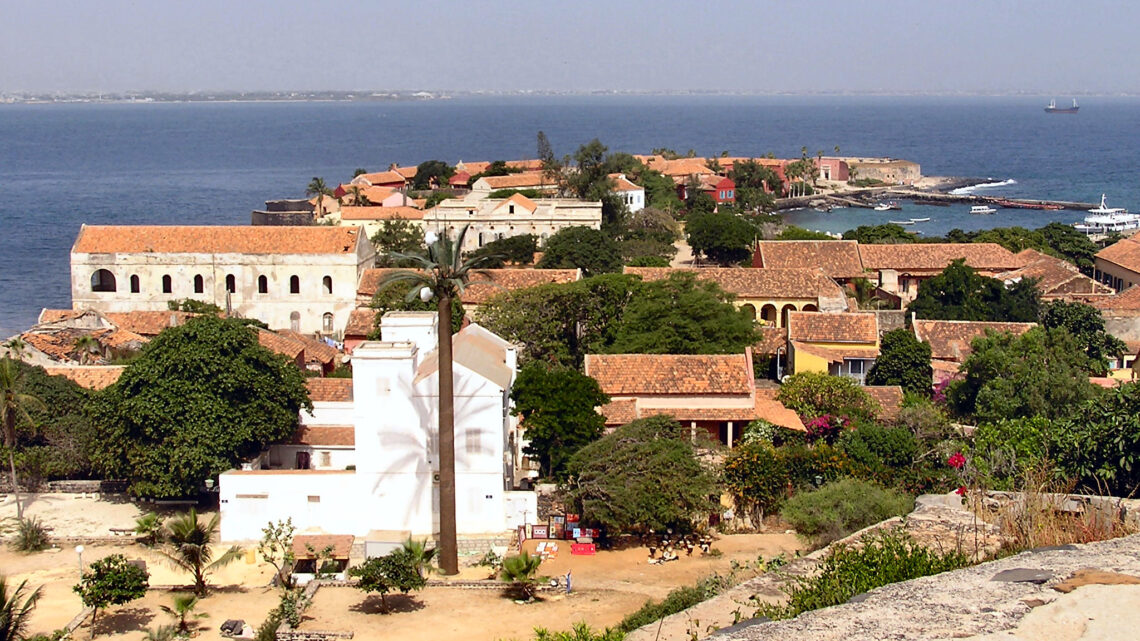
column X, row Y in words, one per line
column 957, row 461
column 960, row 491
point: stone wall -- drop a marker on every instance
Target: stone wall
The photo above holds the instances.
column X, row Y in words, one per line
column 285, row 219
column 71, row 486
column 890, row 319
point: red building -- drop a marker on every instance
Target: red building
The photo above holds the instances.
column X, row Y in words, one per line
column 721, row 189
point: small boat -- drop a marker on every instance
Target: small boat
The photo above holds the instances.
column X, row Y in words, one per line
column 920, row 220
column 982, row 209
column 887, row 206
column 901, row 222
column 1052, row 108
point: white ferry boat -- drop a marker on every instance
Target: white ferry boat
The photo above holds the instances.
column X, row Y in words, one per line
column 982, row 209
column 1107, row 220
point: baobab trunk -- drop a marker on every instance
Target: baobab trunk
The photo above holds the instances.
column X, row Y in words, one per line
column 448, row 546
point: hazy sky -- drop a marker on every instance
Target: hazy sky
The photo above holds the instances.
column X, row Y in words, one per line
column 1048, row 46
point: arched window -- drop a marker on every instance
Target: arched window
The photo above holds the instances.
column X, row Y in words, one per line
column 810, row 308
column 749, row 309
column 199, row 284
column 326, row 282
column 167, row 286
column 327, row 323
column 294, row 284
column 295, row 320
column 262, row 285
column 102, row 281
column 135, row 288
column 231, row 283
column 769, row 313
column 788, row 309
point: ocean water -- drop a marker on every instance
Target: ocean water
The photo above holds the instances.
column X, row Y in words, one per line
column 203, row 163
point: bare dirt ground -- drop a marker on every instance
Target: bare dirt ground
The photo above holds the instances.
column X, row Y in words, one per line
column 73, row 514
column 607, row 587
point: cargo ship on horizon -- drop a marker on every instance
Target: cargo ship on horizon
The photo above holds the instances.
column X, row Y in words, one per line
column 1052, row 108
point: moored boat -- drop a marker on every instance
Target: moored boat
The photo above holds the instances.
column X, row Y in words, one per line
column 920, row 220
column 901, row 222
column 982, row 209
column 1052, row 108
column 1106, row 220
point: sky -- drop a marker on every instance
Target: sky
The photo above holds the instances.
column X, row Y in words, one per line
column 1057, row 47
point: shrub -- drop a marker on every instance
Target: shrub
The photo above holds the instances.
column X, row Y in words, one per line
column 758, row 475
column 1005, row 450
column 878, row 452
column 31, row 536
column 520, row 571
column 580, row 632
column 678, row 599
column 810, row 395
column 884, row 558
column 842, row 507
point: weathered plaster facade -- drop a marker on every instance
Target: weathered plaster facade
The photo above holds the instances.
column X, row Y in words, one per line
column 492, row 219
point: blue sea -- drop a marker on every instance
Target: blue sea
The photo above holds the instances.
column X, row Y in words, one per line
column 62, row 165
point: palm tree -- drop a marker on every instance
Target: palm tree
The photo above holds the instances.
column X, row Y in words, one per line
column 358, row 197
column 520, row 572
column 14, row 405
column 188, row 541
column 16, row 347
column 16, row 609
column 318, row 188
column 183, row 608
column 87, row 346
column 420, row 554
column 441, row 274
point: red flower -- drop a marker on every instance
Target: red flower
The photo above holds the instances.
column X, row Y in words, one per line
column 956, row 461
column 960, row 491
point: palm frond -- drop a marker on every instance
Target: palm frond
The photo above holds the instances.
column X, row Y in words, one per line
column 227, row 557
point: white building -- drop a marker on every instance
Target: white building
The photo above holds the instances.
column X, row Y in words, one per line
column 392, row 410
column 301, row 278
column 632, row 195
column 495, row 218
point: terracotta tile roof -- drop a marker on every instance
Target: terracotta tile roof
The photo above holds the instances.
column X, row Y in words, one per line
column 889, row 398
column 1055, row 277
column 950, row 340
column 380, row 213
column 329, row 436
column 279, row 344
column 382, row 178
column 518, row 200
column 148, row 323
column 771, row 339
column 370, row 281
column 1125, row 253
column 1105, row 381
column 837, row 258
column 341, row 545
column 518, row 181
column 59, row 343
column 55, row 315
column 329, row 390
column 773, row 411
column 91, row 377
column 244, row 239
column 670, row 374
column 748, row 282
column 473, row 167
column 837, row 354
column 373, row 194
column 361, row 322
column 621, row 183
column 816, row 327
column 983, row 257
column 407, row 172
column 619, row 412
column 315, row 350
column 680, row 167
column 738, row 414
column 1127, row 300
column 492, row 282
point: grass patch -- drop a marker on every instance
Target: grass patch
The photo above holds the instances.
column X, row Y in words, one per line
column 679, row 599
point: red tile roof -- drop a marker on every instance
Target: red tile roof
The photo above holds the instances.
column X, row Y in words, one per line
column 489, row 283
column 1055, row 277
column 670, row 374
column 619, row 412
column 329, row 390
column 361, row 322
column 328, row 436
column 774, row 412
column 341, row 545
column 1125, row 253
column 748, row 282
column 383, row 178
column 621, row 183
column 517, row 200
column 91, row 377
column 526, row 180
column 370, row 281
column 950, row 340
column 934, row 257
column 837, row 354
column 771, row 339
column 279, row 344
column 244, row 239
column 815, row 327
column 148, row 323
column 315, row 350
column 889, row 398
column 1126, row 301
column 837, row 258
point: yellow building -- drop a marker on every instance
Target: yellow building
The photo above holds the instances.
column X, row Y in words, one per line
column 838, row 344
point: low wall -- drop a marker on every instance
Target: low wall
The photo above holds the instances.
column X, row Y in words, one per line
column 71, row 486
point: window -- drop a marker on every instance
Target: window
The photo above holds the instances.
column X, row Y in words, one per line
column 511, row 209
column 472, row 442
column 199, row 284
column 135, row 288
column 294, row 284
column 326, row 282
column 327, row 322
column 326, row 459
column 166, row 285
column 231, row 283
column 295, row 321
column 262, row 285
column 102, row 281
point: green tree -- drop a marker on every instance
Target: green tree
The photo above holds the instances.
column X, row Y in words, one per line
column 1086, row 325
column 518, row 250
column 520, row 571
column 111, row 580
column 202, row 398
column 660, row 190
column 182, row 609
column 812, row 395
column 1039, row 373
column 1100, row 444
column 791, row 232
column 14, row 405
column 1071, row 244
column 903, row 360
column 431, row 171
column 395, row 571
column 642, row 477
column 960, row 293
column 649, row 232
column 749, row 174
column 879, row 234
column 396, row 236
column 438, row 196
column 556, row 405
column 276, row 549
column 393, row 297
column 359, row 171
column 188, row 546
column 16, row 607
column 582, row 248
column 192, row 306
column 318, row 189
column 725, row 239
column 442, row 274
column 682, row 315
